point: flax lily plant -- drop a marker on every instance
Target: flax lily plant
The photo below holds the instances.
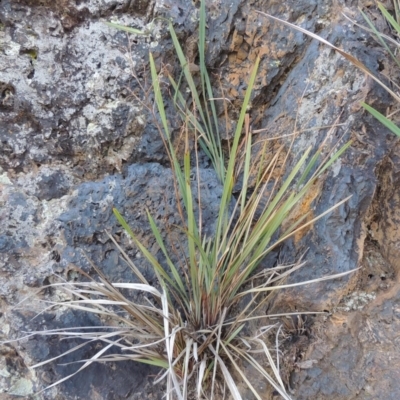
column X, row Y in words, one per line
column 193, row 324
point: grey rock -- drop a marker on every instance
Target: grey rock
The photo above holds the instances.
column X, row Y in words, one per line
column 68, row 75
column 76, row 141
column 74, row 226
column 21, row 388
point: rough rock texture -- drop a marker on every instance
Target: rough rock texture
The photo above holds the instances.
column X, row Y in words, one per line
column 76, row 140
column 354, row 354
column 335, row 244
column 65, row 78
column 74, row 225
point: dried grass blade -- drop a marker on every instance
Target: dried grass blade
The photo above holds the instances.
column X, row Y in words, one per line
column 264, row 373
column 87, row 363
column 386, row 37
column 189, row 344
column 236, row 366
column 217, row 350
column 279, row 287
column 200, row 376
column 228, row 377
column 169, row 342
column 379, row 36
column 271, row 362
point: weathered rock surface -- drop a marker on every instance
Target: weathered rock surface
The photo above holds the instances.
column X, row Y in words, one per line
column 74, row 226
column 354, row 354
column 75, row 141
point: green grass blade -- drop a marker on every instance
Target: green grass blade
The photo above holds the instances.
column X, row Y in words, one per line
column 285, row 186
column 208, row 143
column 334, row 158
column 209, row 97
column 171, row 265
column 397, row 10
column 158, row 96
column 379, row 35
column 309, row 167
column 185, row 66
column 246, row 172
column 388, row 17
column 382, row 119
column 126, row 28
column 191, row 235
column 239, row 126
column 164, row 121
column 158, row 269
column 203, row 69
column 229, row 179
column 154, row 361
column 218, row 148
column 202, row 43
column 234, row 334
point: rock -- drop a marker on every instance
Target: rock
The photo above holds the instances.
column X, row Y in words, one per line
column 22, row 388
column 58, row 237
column 334, row 243
column 145, row 187
column 78, row 137
column 99, row 379
column 69, row 81
column 356, row 350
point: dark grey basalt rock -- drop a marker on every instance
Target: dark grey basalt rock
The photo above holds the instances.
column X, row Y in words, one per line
column 335, row 243
column 107, row 380
column 77, row 229
column 145, row 187
column 75, row 142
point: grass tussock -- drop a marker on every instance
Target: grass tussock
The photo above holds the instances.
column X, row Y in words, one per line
column 192, row 324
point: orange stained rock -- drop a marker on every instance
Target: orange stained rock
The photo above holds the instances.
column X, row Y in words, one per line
column 302, row 208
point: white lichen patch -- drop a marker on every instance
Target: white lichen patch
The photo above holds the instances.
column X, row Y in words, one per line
column 106, row 203
column 11, row 48
column 22, row 387
column 336, row 167
column 356, row 301
column 326, row 85
column 4, row 179
column 4, row 373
